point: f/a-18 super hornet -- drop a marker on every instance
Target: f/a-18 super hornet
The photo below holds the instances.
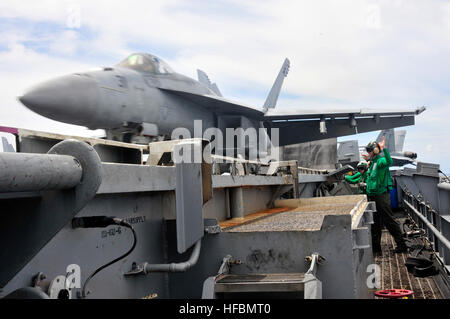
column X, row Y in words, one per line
column 350, row 152
column 394, row 143
column 143, row 96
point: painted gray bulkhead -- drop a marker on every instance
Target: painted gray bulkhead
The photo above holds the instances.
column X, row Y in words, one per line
column 145, row 196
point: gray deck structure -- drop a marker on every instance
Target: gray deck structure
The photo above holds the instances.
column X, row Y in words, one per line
column 203, row 229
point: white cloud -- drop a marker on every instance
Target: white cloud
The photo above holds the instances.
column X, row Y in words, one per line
column 65, row 43
column 22, row 68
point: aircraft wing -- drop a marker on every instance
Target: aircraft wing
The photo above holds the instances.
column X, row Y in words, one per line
column 305, row 125
column 218, row 104
column 401, row 160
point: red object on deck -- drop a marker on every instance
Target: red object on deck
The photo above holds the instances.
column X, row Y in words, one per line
column 393, row 293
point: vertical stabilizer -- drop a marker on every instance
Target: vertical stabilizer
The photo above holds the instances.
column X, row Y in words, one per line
column 399, row 140
column 203, row 78
column 390, row 139
column 272, row 98
column 394, row 140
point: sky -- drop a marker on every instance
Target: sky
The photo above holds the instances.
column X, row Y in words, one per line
column 366, row 53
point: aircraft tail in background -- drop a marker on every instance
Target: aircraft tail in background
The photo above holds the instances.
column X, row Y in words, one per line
column 272, row 98
column 395, row 140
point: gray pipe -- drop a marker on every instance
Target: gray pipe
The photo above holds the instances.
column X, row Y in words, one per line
column 436, row 232
column 22, row 172
column 237, row 202
column 176, row 267
column 444, row 186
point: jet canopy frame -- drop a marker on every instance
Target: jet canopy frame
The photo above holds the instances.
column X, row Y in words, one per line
column 145, row 62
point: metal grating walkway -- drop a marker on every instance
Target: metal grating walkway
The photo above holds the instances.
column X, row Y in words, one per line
column 394, row 274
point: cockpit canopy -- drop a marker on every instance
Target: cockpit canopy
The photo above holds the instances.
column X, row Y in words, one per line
column 145, row 62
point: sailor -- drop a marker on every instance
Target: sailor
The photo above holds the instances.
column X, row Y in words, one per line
column 379, row 184
column 359, row 177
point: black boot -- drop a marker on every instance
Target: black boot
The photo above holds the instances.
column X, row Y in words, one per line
column 376, row 250
column 401, row 248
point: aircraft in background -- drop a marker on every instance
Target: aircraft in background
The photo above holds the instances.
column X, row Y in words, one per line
column 394, row 143
column 349, row 152
column 142, row 97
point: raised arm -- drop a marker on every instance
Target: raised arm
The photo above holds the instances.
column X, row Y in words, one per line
column 387, row 159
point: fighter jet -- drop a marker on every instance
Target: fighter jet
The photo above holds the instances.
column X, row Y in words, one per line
column 394, row 143
column 143, row 96
column 350, row 153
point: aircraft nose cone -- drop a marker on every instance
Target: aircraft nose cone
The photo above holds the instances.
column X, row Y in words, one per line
column 70, row 99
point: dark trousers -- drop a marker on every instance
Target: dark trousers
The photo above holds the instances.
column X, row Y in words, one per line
column 384, row 217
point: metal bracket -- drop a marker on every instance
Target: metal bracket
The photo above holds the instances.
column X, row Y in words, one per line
column 315, row 259
column 371, row 207
column 55, row 289
column 368, row 213
column 313, row 286
column 213, row 229
column 58, row 288
column 227, row 262
column 136, row 269
column 208, row 291
column 293, row 170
